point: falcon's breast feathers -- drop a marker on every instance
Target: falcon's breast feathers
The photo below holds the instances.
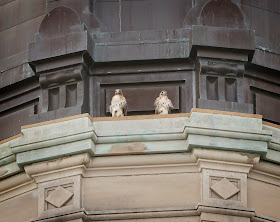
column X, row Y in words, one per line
column 118, row 105
column 162, row 104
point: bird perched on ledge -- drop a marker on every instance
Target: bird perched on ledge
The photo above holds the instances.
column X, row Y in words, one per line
column 118, row 105
column 162, row 104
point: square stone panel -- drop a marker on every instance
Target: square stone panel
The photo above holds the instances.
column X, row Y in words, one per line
column 224, row 188
column 59, row 197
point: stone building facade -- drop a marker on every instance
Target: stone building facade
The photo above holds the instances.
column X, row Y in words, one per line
column 203, row 166
column 215, row 158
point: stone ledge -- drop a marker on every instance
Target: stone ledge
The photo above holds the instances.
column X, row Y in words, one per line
column 226, row 113
column 200, row 211
column 105, row 136
column 59, row 46
column 223, row 37
column 96, row 119
column 10, row 138
column 130, row 45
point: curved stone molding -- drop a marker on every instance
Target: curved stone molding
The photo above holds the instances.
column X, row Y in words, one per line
column 15, row 186
column 141, row 164
column 274, row 144
column 210, row 213
column 267, row 167
column 57, row 164
column 234, row 157
column 218, row 13
column 83, row 10
column 8, row 164
column 222, row 13
column 58, row 22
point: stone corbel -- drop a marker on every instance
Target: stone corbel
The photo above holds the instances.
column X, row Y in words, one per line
column 57, row 78
column 221, row 160
column 216, row 67
column 58, row 168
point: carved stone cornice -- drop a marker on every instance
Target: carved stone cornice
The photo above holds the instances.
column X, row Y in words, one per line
column 61, row 159
column 16, row 185
column 158, row 135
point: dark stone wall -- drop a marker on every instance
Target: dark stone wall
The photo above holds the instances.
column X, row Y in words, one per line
column 66, row 57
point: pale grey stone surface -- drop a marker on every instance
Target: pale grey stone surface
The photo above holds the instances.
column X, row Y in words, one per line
column 59, row 197
column 153, row 135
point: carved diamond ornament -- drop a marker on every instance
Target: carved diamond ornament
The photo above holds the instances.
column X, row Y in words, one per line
column 224, row 188
column 59, row 197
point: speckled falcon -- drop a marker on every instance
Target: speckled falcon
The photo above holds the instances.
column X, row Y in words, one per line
column 118, row 105
column 162, row 104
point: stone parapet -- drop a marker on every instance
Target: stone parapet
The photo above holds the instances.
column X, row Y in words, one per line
column 199, row 166
column 142, row 134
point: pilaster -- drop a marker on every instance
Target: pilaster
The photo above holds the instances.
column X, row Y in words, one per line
column 224, row 184
column 59, row 187
column 61, row 56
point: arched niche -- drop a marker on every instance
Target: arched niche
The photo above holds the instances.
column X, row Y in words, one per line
column 59, row 21
column 222, row 13
column 218, row 13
